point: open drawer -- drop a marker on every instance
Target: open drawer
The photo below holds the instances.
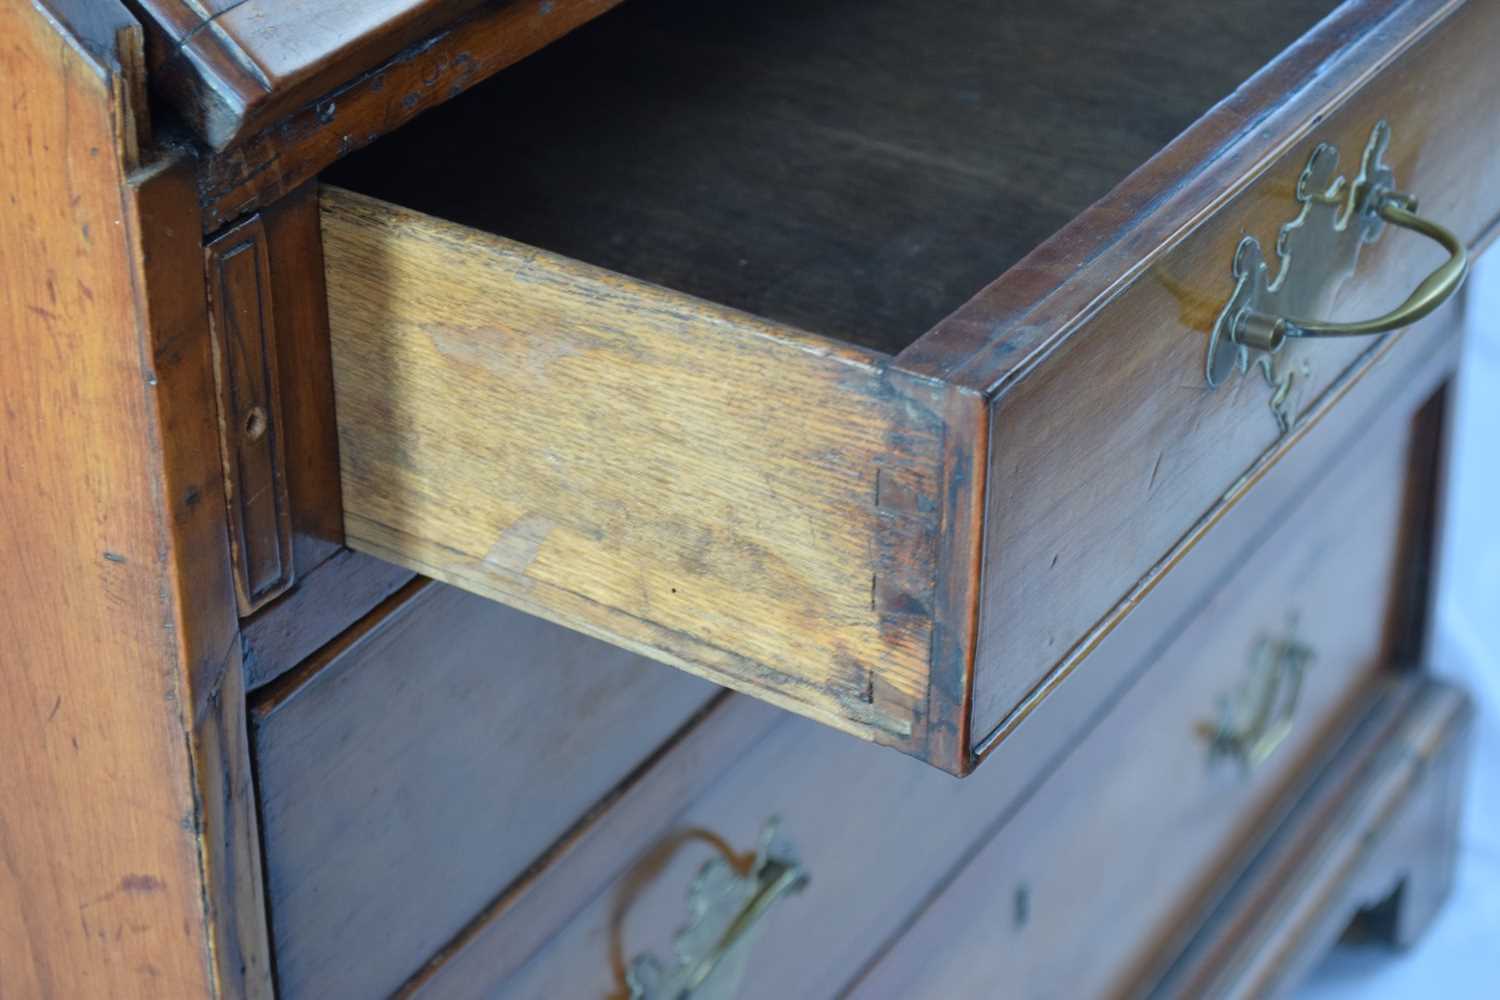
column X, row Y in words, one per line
column 569, row 316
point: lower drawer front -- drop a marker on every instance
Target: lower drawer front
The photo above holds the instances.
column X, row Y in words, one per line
column 1117, row 848
column 409, row 774
column 1101, row 854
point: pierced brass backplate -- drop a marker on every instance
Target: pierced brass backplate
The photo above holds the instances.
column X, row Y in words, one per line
column 1316, row 252
column 725, row 907
column 1256, row 718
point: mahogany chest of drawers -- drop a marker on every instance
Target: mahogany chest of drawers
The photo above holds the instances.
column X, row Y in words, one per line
column 569, row 498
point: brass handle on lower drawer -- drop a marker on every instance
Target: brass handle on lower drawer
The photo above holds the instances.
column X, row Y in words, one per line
column 1266, row 332
column 1257, row 718
column 725, row 905
column 1314, row 252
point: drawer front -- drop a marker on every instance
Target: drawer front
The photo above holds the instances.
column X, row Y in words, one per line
column 1116, row 851
column 1111, row 454
column 803, row 774
column 853, row 819
column 410, row 773
column 877, row 833
column 917, row 549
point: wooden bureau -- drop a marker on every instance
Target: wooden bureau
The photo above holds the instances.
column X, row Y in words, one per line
column 548, row 498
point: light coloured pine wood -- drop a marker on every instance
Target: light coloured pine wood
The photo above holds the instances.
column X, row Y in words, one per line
column 754, row 504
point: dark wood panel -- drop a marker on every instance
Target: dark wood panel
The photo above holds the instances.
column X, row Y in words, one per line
column 1372, row 842
column 512, row 929
column 251, row 440
column 294, row 245
column 229, row 66
column 340, row 592
column 1141, row 819
column 409, row 773
column 362, row 101
column 855, row 167
column 1109, row 453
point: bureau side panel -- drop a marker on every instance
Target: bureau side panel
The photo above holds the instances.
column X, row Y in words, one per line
column 101, row 891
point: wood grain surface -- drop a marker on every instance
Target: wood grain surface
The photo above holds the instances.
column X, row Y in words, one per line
column 252, row 441
column 231, row 66
column 201, row 580
column 1106, row 457
column 855, row 167
column 128, row 848
column 363, row 100
column 299, row 303
column 411, row 771
column 1372, row 843
column 1101, row 864
column 751, row 503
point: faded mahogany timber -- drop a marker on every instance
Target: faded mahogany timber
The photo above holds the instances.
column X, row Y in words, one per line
column 836, row 351
column 131, row 855
column 1164, row 824
column 359, row 803
column 232, row 67
column 1008, row 488
column 1148, row 731
column 318, row 90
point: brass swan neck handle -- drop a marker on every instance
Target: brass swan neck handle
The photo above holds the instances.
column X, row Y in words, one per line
column 1266, row 332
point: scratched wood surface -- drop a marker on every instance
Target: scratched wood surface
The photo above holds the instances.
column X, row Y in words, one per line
column 1108, row 455
column 1138, row 821
column 366, row 102
column 232, row 67
column 1108, row 450
column 203, row 604
column 1372, row 847
column 751, row 503
column 130, row 858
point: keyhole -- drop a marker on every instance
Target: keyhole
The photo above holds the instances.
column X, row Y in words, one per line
column 255, row 424
column 1020, row 910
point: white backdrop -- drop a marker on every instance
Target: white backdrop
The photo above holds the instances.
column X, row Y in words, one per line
column 1460, row 956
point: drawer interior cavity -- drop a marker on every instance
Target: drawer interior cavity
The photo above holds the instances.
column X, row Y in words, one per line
column 857, row 168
